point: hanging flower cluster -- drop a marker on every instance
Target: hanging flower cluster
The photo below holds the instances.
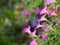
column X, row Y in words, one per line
column 43, row 13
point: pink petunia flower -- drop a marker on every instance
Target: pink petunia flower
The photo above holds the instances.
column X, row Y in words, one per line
column 43, row 31
column 45, row 25
column 37, row 10
column 27, row 29
column 58, row 22
column 43, row 37
column 42, row 18
column 33, row 42
column 34, row 32
column 49, row 2
column 46, row 30
column 43, row 11
column 38, row 25
column 26, row 12
column 52, row 12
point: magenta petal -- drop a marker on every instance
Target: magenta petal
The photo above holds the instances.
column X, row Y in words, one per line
column 52, row 12
column 27, row 29
column 37, row 26
column 42, row 18
column 49, row 2
column 27, row 13
column 43, row 37
column 34, row 32
column 44, row 10
column 37, row 10
column 46, row 30
column 33, row 42
column 58, row 22
column 43, row 31
column 45, row 25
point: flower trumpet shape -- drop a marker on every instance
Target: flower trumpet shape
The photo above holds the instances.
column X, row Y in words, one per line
column 27, row 29
column 33, row 42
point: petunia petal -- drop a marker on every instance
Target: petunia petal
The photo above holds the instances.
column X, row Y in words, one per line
column 27, row 29
column 33, row 42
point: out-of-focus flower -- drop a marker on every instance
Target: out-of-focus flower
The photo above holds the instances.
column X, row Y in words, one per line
column 46, row 30
column 45, row 25
column 34, row 33
column 43, row 31
column 43, row 37
column 26, row 12
column 33, row 42
column 26, row 20
column 52, row 12
column 27, row 29
column 43, row 11
column 37, row 10
column 38, row 25
column 42, row 18
column 49, row 2
column 58, row 22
